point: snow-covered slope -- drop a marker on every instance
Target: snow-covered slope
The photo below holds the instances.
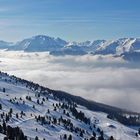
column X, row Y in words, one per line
column 38, row 112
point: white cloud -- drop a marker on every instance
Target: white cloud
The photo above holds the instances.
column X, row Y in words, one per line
column 104, row 79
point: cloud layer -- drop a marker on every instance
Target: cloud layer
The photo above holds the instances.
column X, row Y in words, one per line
column 104, row 79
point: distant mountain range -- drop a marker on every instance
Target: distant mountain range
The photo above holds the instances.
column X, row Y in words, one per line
column 125, row 47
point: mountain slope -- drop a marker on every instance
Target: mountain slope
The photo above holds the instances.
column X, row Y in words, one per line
column 119, row 46
column 60, row 47
column 46, row 43
column 50, row 114
column 5, row 45
column 40, row 43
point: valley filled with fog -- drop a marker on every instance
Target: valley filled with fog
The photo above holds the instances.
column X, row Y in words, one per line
column 103, row 79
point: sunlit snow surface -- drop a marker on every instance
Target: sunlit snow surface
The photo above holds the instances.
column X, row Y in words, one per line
column 28, row 123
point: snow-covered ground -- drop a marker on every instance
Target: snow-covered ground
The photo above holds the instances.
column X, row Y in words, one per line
column 28, row 123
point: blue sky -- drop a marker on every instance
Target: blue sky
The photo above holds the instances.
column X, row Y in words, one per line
column 75, row 20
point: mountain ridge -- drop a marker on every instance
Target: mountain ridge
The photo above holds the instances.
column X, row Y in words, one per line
column 58, row 46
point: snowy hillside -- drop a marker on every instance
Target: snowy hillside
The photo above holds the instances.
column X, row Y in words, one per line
column 40, row 113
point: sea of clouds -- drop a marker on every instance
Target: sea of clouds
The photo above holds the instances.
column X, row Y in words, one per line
column 103, row 79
